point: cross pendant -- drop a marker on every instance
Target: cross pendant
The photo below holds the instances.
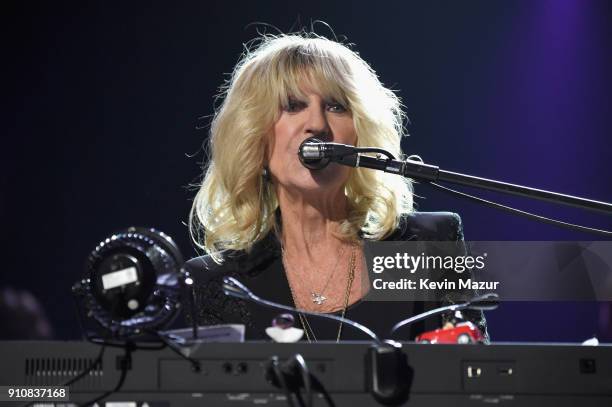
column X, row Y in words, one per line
column 318, row 298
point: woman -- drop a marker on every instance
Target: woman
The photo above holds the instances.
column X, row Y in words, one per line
column 292, row 234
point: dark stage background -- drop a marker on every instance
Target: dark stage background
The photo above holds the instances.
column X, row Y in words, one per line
column 102, row 104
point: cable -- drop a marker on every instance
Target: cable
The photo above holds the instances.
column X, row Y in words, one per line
column 195, row 364
column 125, row 366
column 512, row 210
column 530, row 215
column 280, row 377
column 96, row 362
column 129, row 347
column 285, row 376
column 96, row 340
column 297, row 361
column 322, row 390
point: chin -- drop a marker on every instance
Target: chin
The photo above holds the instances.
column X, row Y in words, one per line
column 329, row 178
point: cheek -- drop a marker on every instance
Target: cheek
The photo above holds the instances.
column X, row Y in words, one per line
column 279, row 142
column 282, row 132
column 344, row 131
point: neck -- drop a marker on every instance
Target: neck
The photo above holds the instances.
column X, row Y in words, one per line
column 311, row 223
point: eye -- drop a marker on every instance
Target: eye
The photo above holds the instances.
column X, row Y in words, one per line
column 294, row 105
column 336, row 107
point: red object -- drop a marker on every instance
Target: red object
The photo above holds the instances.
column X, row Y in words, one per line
column 464, row 332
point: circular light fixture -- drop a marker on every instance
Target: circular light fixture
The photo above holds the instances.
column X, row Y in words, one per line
column 132, row 283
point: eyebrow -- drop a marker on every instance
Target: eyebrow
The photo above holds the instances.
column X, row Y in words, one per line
column 305, row 100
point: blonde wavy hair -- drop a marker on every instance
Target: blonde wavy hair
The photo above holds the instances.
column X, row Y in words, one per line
column 235, row 206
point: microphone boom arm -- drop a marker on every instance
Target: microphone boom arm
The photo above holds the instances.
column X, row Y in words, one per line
column 235, row 288
column 485, row 302
column 431, row 173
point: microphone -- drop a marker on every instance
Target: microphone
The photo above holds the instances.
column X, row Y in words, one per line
column 315, row 154
column 485, row 302
column 234, row 288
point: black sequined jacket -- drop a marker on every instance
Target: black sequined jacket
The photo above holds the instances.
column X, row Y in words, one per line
column 262, row 271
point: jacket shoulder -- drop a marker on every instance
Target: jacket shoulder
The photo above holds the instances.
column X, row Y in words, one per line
column 204, row 268
column 236, row 262
column 433, row 226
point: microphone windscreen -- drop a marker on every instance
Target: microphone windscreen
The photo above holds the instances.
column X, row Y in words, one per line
column 311, row 156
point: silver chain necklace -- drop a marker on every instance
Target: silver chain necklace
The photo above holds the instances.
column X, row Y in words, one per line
column 316, row 296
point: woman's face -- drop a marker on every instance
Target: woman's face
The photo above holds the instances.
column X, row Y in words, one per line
column 309, row 116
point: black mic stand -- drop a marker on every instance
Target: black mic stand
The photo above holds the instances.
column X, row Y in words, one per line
column 414, row 168
column 315, row 154
column 432, row 173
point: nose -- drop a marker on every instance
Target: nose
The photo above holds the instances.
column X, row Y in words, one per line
column 317, row 124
